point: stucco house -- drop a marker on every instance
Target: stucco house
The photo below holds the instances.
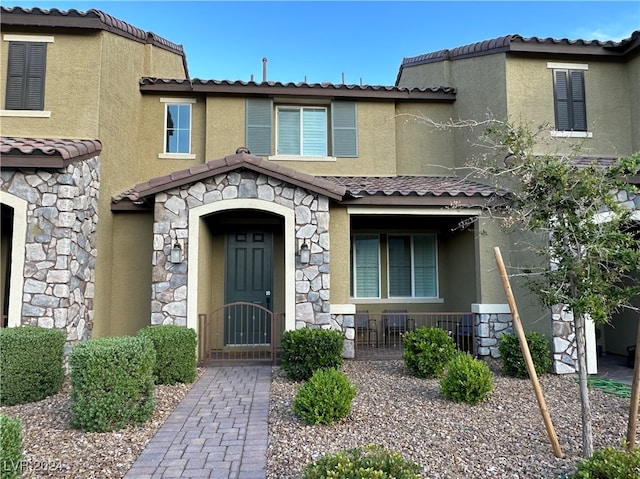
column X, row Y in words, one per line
column 149, row 197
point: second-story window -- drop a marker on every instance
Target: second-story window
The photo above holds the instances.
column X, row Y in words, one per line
column 569, row 99
column 177, row 127
column 26, row 69
column 301, row 130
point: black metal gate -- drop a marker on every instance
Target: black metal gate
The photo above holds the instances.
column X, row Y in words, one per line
column 240, row 331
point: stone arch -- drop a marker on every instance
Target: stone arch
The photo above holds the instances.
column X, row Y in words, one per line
column 19, row 235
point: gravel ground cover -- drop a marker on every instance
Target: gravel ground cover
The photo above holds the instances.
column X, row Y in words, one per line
column 503, row 437
column 52, row 449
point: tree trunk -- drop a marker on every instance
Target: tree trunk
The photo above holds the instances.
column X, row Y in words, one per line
column 635, row 398
column 581, row 343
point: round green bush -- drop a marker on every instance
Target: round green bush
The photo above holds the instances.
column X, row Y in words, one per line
column 111, row 383
column 10, row 447
column 466, row 380
column 610, row 463
column 427, row 351
column 369, row 462
column 325, row 398
column 309, row 349
column 512, row 359
column 176, row 357
column 31, row 364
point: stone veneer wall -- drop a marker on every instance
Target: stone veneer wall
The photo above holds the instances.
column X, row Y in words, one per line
column 565, row 354
column 171, row 222
column 489, row 328
column 60, row 253
column 346, row 323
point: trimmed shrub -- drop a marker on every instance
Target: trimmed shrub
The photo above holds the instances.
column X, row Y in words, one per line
column 306, row 350
column 112, row 383
column 10, row 447
column 31, row 364
column 610, row 463
column 466, row 380
column 512, row 359
column 325, row 397
column 427, row 351
column 175, row 348
column 369, row 462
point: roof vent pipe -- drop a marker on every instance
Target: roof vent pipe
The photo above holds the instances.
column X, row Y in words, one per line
column 264, row 70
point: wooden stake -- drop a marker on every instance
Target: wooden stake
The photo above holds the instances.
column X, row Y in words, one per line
column 632, row 425
column 517, row 326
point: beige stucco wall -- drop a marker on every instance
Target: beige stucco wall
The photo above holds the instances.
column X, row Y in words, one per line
column 92, row 91
column 421, row 147
column 480, row 93
column 340, row 231
column 131, row 253
column 607, row 92
column 73, row 67
column 633, row 80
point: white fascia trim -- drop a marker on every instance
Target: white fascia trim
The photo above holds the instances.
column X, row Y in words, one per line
column 8, row 37
column 567, row 66
column 301, row 158
column 485, row 308
column 26, row 113
column 571, row 134
column 177, row 100
column 372, row 210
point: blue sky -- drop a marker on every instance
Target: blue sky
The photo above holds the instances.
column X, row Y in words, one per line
column 364, row 41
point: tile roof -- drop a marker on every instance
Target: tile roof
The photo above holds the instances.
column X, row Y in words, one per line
column 240, row 160
column 424, row 190
column 532, row 44
column 45, row 152
column 91, row 19
column 448, row 186
column 298, row 89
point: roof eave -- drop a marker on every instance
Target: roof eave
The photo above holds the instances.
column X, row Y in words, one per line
column 260, row 89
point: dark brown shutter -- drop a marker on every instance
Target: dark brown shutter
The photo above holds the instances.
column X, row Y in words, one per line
column 25, row 76
column 561, row 93
column 569, row 96
column 578, row 104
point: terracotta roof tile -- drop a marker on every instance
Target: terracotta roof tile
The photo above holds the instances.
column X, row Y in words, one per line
column 359, row 186
column 91, row 19
column 290, row 88
column 212, row 168
column 45, row 152
column 520, row 43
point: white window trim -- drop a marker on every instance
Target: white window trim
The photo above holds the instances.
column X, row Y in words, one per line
column 8, row 37
column 176, row 156
column 413, row 292
column 301, row 157
column 26, row 113
column 567, row 66
column 571, row 134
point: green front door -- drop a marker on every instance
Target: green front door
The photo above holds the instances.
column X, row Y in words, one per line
column 248, row 280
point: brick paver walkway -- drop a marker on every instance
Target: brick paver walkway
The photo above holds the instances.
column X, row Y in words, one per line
column 219, row 430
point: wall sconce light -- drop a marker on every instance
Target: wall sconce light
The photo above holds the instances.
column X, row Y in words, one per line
column 304, row 252
column 176, row 253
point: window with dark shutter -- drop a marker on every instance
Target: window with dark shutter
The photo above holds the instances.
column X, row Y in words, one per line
column 259, row 113
column 570, row 105
column 25, row 76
